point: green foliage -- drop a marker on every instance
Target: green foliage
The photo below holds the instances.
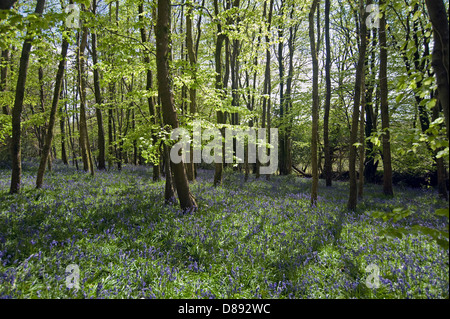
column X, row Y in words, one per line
column 5, row 127
column 440, row 236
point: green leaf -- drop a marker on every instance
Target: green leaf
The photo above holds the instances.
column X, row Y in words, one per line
column 442, row 153
column 399, row 97
column 416, row 15
column 441, row 212
column 431, row 103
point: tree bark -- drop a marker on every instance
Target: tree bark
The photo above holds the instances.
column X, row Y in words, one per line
column 62, row 126
column 18, row 106
column 84, row 138
column 387, row 167
column 440, row 59
column 4, row 61
column 266, row 86
column 315, row 106
column 353, row 193
column 440, row 165
column 326, row 116
column 192, row 90
column 218, row 167
column 53, row 113
column 98, row 100
column 370, row 165
column 162, row 32
column 7, row 4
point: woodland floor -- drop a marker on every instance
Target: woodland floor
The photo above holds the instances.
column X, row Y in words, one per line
column 254, row 239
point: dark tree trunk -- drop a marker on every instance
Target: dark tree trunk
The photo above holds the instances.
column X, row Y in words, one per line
column 18, row 106
column 353, row 193
column 326, row 116
column 266, row 87
column 218, row 167
column 387, row 167
column 162, row 32
column 192, row 91
column 440, row 165
column 53, row 113
column 84, row 138
column 315, row 106
column 150, row 100
column 98, row 100
column 62, row 127
column 7, row 4
column 370, row 165
column 440, row 60
column 4, row 61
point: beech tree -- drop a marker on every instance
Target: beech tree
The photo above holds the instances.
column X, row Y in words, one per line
column 16, row 154
column 163, row 56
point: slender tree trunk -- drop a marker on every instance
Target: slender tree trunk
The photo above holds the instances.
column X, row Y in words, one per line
column 440, row 164
column 41, row 128
column 387, row 167
column 315, row 106
column 62, row 127
column 218, row 167
column 353, row 194
column 440, row 59
column 192, row 91
column 98, row 100
column 361, row 140
column 149, row 86
column 326, row 116
column 370, row 165
column 53, row 113
column 265, row 118
column 288, row 101
column 18, row 106
column 282, row 162
column 4, row 61
column 169, row 192
column 162, row 32
column 84, row 138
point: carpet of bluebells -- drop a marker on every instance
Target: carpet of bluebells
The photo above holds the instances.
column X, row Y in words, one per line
column 249, row 239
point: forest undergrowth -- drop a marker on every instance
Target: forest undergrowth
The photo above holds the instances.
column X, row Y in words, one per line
column 249, row 239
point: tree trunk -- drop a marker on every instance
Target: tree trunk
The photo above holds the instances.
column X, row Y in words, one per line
column 315, row 106
column 7, row 4
column 84, row 138
column 361, row 139
column 266, row 87
column 370, row 165
column 192, row 91
column 150, row 100
column 53, row 113
column 218, row 167
column 440, row 60
column 98, row 100
column 282, row 162
column 353, row 194
column 162, row 32
column 440, row 165
column 18, row 106
column 326, row 116
column 387, row 167
column 4, row 61
column 62, row 127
